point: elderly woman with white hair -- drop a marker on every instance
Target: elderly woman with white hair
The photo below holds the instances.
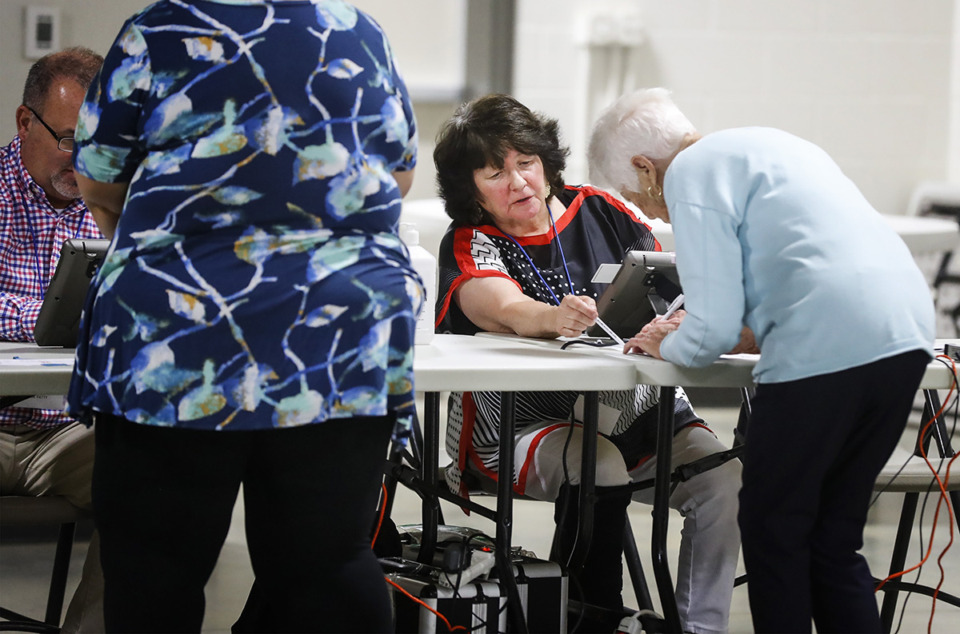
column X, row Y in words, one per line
column 772, row 236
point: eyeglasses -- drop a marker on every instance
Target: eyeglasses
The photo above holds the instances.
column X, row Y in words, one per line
column 64, row 143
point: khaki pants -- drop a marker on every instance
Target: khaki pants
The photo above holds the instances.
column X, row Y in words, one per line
column 58, row 461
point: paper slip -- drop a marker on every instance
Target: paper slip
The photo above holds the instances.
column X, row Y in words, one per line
column 49, row 401
column 605, row 273
column 49, row 361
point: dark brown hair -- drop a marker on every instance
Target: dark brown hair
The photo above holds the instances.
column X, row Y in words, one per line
column 482, row 132
column 77, row 63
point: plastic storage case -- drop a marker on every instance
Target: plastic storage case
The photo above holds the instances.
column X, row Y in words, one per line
column 542, row 585
column 479, row 606
column 544, row 590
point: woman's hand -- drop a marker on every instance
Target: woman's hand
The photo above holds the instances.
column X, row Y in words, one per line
column 575, row 314
column 649, row 339
column 747, row 344
column 496, row 304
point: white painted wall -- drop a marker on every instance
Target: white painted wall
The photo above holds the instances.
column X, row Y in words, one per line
column 872, row 81
column 90, row 23
column 876, row 82
column 953, row 170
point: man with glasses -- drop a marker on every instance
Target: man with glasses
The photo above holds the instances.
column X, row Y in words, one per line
column 42, row 452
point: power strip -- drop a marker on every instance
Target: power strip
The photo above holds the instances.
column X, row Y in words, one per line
column 630, row 625
column 952, row 350
column 481, row 563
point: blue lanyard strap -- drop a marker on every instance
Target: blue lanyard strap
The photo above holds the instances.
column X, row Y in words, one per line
column 36, row 247
column 537, row 270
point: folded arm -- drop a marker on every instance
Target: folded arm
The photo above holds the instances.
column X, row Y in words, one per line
column 105, row 202
column 18, row 317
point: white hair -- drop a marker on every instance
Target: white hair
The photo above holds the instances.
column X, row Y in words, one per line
column 645, row 122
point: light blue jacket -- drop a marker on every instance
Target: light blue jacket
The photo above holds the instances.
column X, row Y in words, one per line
column 771, row 234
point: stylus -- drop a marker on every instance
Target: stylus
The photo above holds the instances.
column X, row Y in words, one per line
column 674, row 305
column 609, row 331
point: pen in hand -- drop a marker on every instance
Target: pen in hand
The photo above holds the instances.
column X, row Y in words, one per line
column 672, row 308
column 607, row 329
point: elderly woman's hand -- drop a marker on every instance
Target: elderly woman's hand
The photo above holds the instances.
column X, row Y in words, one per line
column 575, row 314
column 649, row 339
column 747, row 343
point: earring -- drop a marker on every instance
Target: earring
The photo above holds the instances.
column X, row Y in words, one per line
column 657, row 196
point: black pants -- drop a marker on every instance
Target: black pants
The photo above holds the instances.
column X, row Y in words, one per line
column 814, row 449
column 163, row 500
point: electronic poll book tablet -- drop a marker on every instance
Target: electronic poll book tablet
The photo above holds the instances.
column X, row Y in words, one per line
column 642, row 289
column 58, row 323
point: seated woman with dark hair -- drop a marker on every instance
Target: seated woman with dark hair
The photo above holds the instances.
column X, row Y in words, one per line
column 519, row 258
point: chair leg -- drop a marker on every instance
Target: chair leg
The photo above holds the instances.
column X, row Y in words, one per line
column 58, row 581
column 637, row 579
column 955, row 498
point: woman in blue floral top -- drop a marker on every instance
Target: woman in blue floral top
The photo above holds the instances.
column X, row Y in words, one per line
column 253, row 321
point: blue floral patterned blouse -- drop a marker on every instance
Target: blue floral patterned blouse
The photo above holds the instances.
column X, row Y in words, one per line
column 256, row 279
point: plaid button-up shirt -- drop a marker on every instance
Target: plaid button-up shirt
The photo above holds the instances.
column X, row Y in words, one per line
column 31, row 234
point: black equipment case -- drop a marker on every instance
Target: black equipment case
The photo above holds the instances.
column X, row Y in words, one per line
column 479, row 606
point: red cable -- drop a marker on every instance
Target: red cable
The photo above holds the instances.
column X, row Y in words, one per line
column 452, row 628
column 942, row 497
column 383, row 509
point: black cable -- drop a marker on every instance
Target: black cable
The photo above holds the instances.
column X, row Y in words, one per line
column 574, row 581
column 562, row 515
column 565, row 503
column 465, row 540
column 482, row 624
column 593, row 343
column 956, row 414
column 955, row 406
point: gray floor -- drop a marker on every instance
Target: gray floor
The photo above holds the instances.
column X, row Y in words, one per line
column 24, row 566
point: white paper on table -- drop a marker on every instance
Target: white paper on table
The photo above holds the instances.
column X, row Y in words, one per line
column 38, row 362
column 47, row 401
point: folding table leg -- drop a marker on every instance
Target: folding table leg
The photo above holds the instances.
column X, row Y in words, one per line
column 908, row 512
column 429, row 469
column 661, row 511
column 508, row 410
column 634, row 566
column 588, row 478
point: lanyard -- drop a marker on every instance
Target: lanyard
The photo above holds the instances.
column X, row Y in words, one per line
column 36, row 247
column 537, row 270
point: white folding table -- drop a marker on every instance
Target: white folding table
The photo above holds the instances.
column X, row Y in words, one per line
column 727, row 372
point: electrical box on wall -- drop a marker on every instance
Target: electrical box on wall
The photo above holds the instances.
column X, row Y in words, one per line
column 41, row 31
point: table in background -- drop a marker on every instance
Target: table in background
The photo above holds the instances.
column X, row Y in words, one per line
column 921, row 234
